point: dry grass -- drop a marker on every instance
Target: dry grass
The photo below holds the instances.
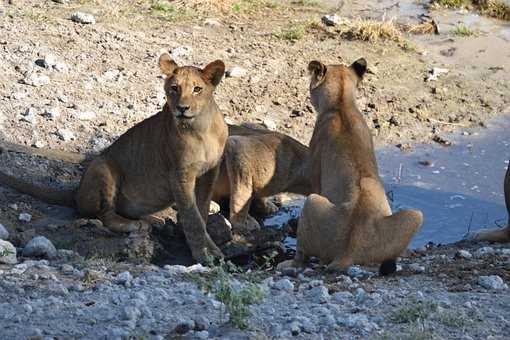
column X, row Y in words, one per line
column 492, row 8
column 423, row 28
column 371, row 30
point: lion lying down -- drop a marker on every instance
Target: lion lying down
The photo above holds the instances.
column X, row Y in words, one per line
column 348, row 221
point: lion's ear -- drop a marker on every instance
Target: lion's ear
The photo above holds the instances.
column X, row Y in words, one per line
column 359, row 67
column 166, row 64
column 214, row 71
column 317, row 72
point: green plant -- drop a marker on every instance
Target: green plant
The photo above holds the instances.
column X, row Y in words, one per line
column 463, row 31
column 293, row 33
column 5, row 252
column 167, row 10
column 416, row 311
column 236, row 300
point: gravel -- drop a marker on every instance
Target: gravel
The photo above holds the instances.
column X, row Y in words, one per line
column 4, row 233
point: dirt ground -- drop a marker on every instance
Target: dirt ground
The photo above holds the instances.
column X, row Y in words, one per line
column 104, row 77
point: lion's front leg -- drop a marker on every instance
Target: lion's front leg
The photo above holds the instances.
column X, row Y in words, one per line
column 193, row 224
column 204, row 191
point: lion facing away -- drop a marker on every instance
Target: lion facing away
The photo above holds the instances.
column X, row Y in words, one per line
column 258, row 163
column 348, row 220
column 497, row 234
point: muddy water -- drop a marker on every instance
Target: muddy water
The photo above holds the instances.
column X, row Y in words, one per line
column 459, row 188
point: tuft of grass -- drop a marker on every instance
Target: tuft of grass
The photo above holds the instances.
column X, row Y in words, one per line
column 235, row 299
column 293, row 33
column 453, row 319
column 493, row 8
column 451, row 3
column 167, row 10
column 371, row 30
column 423, row 28
column 305, row 3
column 463, row 31
column 417, row 311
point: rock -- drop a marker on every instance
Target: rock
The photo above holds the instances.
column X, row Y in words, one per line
column 131, row 313
column 342, row 297
column 492, row 282
column 52, row 112
column 49, row 61
column 201, row 323
column 214, row 208
column 284, row 284
column 67, row 268
column 236, row 72
column 211, row 22
column 30, row 116
column 61, row 67
column 268, row 123
column 7, row 253
column 124, row 278
column 111, row 74
column 65, row 135
column 331, row 20
column 83, row 18
column 84, row 115
column 318, row 294
column 463, row 254
column 25, row 217
column 39, row 144
column 202, row 335
column 483, row 252
column 40, row 246
column 435, row 72
column 175, row 270
column 181, row 51
column 295, row 328
column 219, row 228
column 36, row 80
column 4, row 233
column 355, row 271
column 416, row 268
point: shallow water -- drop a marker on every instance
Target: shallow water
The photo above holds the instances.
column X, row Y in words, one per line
column 461, row 191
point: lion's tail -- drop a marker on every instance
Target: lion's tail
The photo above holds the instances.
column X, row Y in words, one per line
column 44, row 193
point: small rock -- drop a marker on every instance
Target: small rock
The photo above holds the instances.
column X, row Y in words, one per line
column 19, row 95
column 181, row 51
column 268, row 123
column 49, row 61
column 319, row 294
column 355, row 271
column 415, row 267
column 295, row 328
column 83, row 18
column 131, row 313
column 214, row 208
column 124, row 278
column 111, row 74
column 65, row 135
column 201, row 323
column 284, row 284
column 52, row 112
column 85, row 115
column 67, row 269
column 342, row 297
column 7, row 253
column 211, row 22
column 331, row 20
column 25, row 217
column 175, row 269
column 236, row 72
column 463, row 254
column 61, row 67
column 483, row 252
column 4, row 233
column 39, row 144
column 36, row 80
column 202, row 335
column 492, row 282
column 435, row 73
column 40, row 246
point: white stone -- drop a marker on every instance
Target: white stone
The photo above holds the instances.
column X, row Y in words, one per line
column 415, row 267
column 463, row 254
column 111, row 74
column 435, row 73
column 83, row 18
column 331, row 20
column 52, row 112
column 212, row 22
column 181, row 51
column 36, row 80
column 49, row 60
column 236, row 72
column 483, row 252
column 284, row 284
column 65, row 135
column 7, row 253
column 4, row 233
column 269, row 124
column 39, row 144
column 124, row 278
column 214, row 208
column 85, row 115
column 492, row 282
column 25, row 217
column 40, row 246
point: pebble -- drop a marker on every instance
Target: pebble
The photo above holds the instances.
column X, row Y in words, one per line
column 39, row 144
column 4, row 233
column 201, row 323
column 52, row 112
column 30, row 116
column 284, row 284
column 25, row 217
column 355, row 271
column 83, row 18
column 269, row 124
column 40, row 246
column 202, row 335
column 481, row 252
column 65, row 135
column 131, row 313
column 331, row 20
column 184, row 326
column 84, row 115
column 416, row 268
column 124, row 278
column 492, row 282
column 7, row 253
column 236, row 72
column 211, row 22
column 181, row 51
column 463, row 254
column 435, row 72
column 49, row 61
column 318, row 294
column 36, row 80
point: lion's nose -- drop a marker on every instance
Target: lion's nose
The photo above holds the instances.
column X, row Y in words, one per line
column 183, row 108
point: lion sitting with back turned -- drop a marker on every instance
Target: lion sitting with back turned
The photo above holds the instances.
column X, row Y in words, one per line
column 349, row 220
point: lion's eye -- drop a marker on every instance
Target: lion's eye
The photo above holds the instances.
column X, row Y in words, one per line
column 197, row 89
column 174, row 88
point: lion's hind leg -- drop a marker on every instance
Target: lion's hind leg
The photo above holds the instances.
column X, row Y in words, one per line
column 96, row 197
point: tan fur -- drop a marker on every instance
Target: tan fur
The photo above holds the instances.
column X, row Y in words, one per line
column 256, row 164
column 348, row 221
column 173, row 156
column 497, row 234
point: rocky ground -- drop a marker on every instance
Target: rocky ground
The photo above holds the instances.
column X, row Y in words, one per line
column 75, row 83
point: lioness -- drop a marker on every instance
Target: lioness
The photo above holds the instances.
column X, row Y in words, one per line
column 349, row 220
column 173, row 156
column 256, row 164
column 497, row 234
